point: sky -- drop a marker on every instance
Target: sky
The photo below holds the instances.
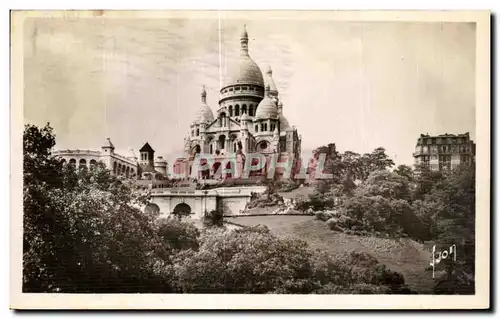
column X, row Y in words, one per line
column 360, row 85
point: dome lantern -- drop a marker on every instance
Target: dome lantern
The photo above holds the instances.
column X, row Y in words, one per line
column 244, row 41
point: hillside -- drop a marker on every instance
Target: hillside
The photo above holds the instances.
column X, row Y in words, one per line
column 402, row 255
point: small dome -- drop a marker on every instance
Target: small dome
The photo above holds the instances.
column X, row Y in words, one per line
column 266, row 109
column 204, row 114
column 245, row 117
column 160, row 161
column 283, row 123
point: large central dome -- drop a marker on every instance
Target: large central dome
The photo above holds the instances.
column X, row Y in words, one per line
column 244, row 70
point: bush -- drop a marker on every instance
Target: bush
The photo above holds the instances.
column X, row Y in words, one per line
column 287, row 186
column 178, row 234
column 253, row 260
column 333, row 224
column 213, row 219
column 323, row 216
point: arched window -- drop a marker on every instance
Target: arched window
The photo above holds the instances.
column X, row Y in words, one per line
column 127, row 171
column 236, row 110
column 63, row 161
column 250, row 110
column 119, row 169
column 244, row 109
column 222, row 142
column 93, row 162
column 132, row 173
column 257, row 128
column 262, row 127
column 114, row 167
column 72, row 162
column 197, row 132
column 230, row 110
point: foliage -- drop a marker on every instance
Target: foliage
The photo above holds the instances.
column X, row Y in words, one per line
column 405, row 171
column 177, row 234
column 453, row 198
column 287, row 186
column 253, row 260
column 83, row 230
column 215, row 218
column 321, row 215
column 316, row 202
column 425, row 180
column 386, row 184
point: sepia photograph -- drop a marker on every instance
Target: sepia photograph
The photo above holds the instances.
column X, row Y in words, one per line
column 269, row 159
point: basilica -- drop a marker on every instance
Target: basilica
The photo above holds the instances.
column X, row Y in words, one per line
column 250, row 118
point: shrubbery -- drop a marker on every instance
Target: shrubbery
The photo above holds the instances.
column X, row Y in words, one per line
column 253, row 260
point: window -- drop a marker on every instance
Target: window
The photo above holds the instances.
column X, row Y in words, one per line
column 230, row 110
column 250, row 110
column 244, row 88
column 197, row 132
column 256, row 128
column 244, row 109
column 236, row 110
column 237, row 88
column 273, row 126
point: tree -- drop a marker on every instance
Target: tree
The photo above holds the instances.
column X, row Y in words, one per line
column 382, row 204
column 425, row 179
column 405, row 171
column 83, row 231
column 453, row 198
column 386, row 184
column 377, row 160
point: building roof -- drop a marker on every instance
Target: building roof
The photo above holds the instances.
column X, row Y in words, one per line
column 244, row 70
column 245, row 117
column 266, row 109
column 270, row 81
column 108, row 143
column 283, row 122
column 204, row 113
column 146, row 148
